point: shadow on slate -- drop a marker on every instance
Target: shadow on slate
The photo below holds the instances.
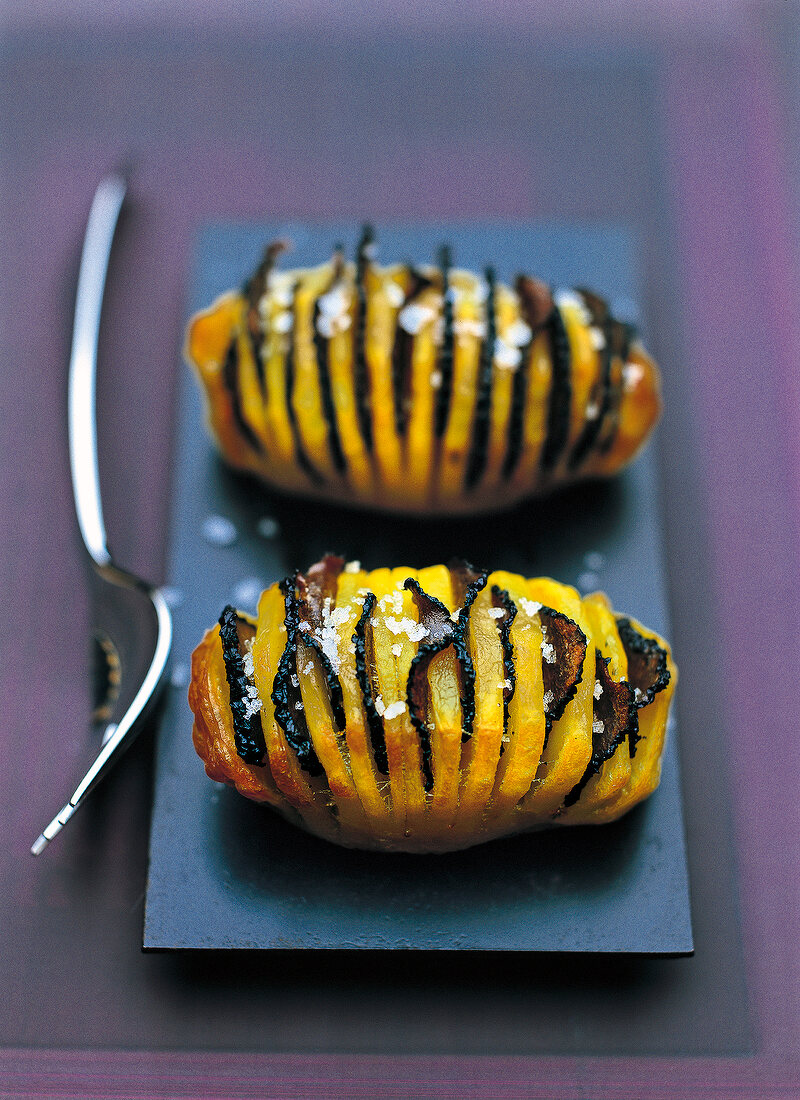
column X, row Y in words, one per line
column 225, row 873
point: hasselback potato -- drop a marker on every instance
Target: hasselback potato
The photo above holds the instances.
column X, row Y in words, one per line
column 429, row 710
column 419, row 389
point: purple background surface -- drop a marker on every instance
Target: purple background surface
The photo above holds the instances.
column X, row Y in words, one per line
column 679, row 120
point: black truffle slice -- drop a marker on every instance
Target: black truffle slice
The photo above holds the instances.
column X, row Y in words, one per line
column 612, row 713
column 324, row 375
column 253, row 291
column 476, row 463
column 648, row 672
column 365, row 673
column 620, row 337
column 502, row 600
column 445, row 364
column 558, row 408
column 563, row 654
column 360, row 373
column 435, row 617
column 286, row 695
column 248, row 733
column 467, row 583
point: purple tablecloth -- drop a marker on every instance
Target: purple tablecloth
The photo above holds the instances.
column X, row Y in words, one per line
column 679, row 120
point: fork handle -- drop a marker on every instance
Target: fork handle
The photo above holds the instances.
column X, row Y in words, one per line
column 82, row 410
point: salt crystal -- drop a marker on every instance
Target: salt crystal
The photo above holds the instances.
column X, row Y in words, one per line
column 549, row 652
column 415, row 631
column 469, row 327
column 379, row 705
column 496, row 612
column 548, row 700
column 251, row 707
column 413, row 316
column 353, row 567
column 298, row 706
column 571, row 300
column 436, row 379
column 598, row 689
column 530, row 607
column 295, row 680
column 397, row 649
column 283, row 293
column 219, row 531
column 598, row 726
column 592, row 411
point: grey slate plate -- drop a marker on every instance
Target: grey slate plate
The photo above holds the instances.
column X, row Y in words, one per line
column 226, row 873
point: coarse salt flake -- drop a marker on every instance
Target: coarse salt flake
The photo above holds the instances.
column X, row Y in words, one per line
column 415, row 631
column 436, row 379
column 496, row 612
column 413, row 316
column 397, row 649
column 283, row 321
column 518, row 334
column 598, row 689
column 549, row 652
column 548, row 700
column 632, row 375
column 506, row 356
column 395, row 293
column 353, row 567
column 530, row 607
column 395, row 710
column 468, row 327
column 335, row 302
column 598, row 726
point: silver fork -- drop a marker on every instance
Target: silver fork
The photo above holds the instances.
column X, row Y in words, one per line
column 133, row 624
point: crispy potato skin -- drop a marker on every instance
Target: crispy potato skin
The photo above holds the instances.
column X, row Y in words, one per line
column 437, row 790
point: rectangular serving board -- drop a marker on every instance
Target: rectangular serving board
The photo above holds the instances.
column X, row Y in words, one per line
column 227, row 873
